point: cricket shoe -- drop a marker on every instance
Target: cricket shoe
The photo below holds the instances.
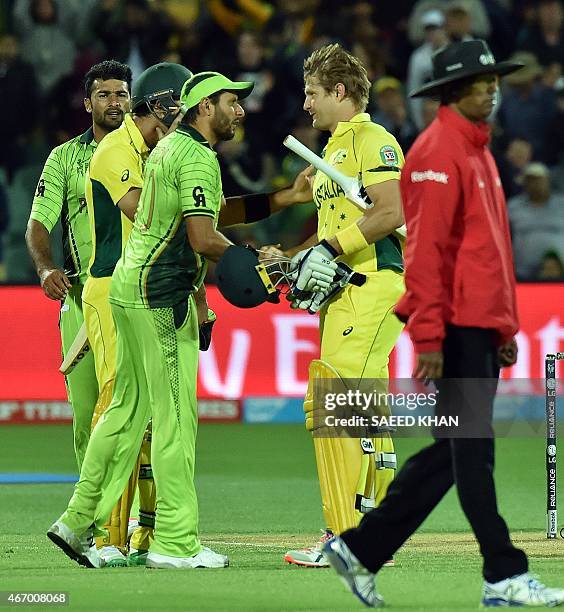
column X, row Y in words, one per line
column 79, row 548
column 313, row 556
column 205, row 558
column 520, row 591
column 360, row 581
column 112, row 556
column 137, row 557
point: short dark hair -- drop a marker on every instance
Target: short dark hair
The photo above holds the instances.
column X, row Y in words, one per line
column 192, row 113
column 108, row 69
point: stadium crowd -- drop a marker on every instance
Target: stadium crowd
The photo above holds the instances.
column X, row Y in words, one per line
column 46, row 46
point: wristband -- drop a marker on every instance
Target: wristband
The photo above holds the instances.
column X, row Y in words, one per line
column 331, row 253
column 351, row 239
column 257, row 207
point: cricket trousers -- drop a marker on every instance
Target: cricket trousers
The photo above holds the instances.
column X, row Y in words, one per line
column 467, row 462
column 157, row 363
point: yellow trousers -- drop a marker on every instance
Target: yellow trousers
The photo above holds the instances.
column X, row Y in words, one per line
column 358, row 332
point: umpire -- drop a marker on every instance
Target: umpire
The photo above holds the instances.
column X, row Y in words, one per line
column 461, row 314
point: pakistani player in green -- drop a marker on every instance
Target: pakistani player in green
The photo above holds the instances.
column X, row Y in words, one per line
column 60, row 195
column 157, row 336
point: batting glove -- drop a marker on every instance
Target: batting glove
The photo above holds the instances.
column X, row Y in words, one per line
column 315, row 268
column 205, row 330
column 313, row 301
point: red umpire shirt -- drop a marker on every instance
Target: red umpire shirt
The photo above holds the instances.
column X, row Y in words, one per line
column 458, row 258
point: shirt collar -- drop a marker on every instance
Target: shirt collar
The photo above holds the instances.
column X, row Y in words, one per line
column 193, row 132
column 343, row 126
column 87, row 137
column 135, row 135
column 477, row 133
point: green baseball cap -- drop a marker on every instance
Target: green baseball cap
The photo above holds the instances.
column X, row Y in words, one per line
column 205, row 84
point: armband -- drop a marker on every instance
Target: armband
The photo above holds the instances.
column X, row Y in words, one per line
column 257, row 207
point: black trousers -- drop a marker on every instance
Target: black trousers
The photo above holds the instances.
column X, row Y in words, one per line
column 467, row 462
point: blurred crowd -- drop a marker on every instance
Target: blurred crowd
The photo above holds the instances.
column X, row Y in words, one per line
column 46, row 46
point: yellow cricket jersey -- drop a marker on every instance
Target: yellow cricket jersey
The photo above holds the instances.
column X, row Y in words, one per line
column 363, row 149
column 115, row 168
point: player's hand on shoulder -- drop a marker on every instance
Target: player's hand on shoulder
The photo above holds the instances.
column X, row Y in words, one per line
column 302, row 187
column 55, row 283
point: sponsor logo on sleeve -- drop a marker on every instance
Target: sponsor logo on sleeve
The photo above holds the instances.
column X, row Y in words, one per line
column 429, row 175
column 40, row 191
column 389, row 156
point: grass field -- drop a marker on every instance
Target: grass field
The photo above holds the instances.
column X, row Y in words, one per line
column 258, row 497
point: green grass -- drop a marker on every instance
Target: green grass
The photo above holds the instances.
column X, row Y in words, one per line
column 259, row 496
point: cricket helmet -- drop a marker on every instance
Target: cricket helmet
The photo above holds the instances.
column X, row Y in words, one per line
column 161, row 83
column 246, row 282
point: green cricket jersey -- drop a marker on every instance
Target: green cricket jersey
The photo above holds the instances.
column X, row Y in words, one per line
column 60, row 193
column 159, row 268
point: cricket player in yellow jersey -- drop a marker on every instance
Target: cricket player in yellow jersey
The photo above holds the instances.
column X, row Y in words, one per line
column 60, row 194
column 113, row 188
column 358, row 327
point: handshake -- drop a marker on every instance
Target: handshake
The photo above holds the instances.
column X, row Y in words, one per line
column 317, row 277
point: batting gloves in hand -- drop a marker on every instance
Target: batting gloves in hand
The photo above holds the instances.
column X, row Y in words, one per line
column 313, row 301
column 315, row 268
column 205, row 330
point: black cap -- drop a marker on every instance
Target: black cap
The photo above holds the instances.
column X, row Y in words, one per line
column 461, row 60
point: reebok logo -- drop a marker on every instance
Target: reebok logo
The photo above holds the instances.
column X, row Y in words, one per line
column 429, row 175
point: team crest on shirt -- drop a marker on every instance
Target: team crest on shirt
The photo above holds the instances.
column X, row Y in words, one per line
column 82, row 166
column 389, row 156
column 338, row 157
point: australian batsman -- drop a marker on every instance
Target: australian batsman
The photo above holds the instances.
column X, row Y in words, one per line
column 358, row 327
column 60, row 195
column 113, row 188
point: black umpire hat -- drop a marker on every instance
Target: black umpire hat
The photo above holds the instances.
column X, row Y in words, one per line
column 461, row 60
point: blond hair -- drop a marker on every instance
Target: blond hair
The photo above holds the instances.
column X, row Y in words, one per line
column 331, row 64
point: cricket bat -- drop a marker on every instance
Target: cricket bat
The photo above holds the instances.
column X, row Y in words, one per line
column 351, row 186
column 76, row 352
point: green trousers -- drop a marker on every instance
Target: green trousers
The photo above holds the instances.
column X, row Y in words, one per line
column 156, row 369
column 82, row 386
